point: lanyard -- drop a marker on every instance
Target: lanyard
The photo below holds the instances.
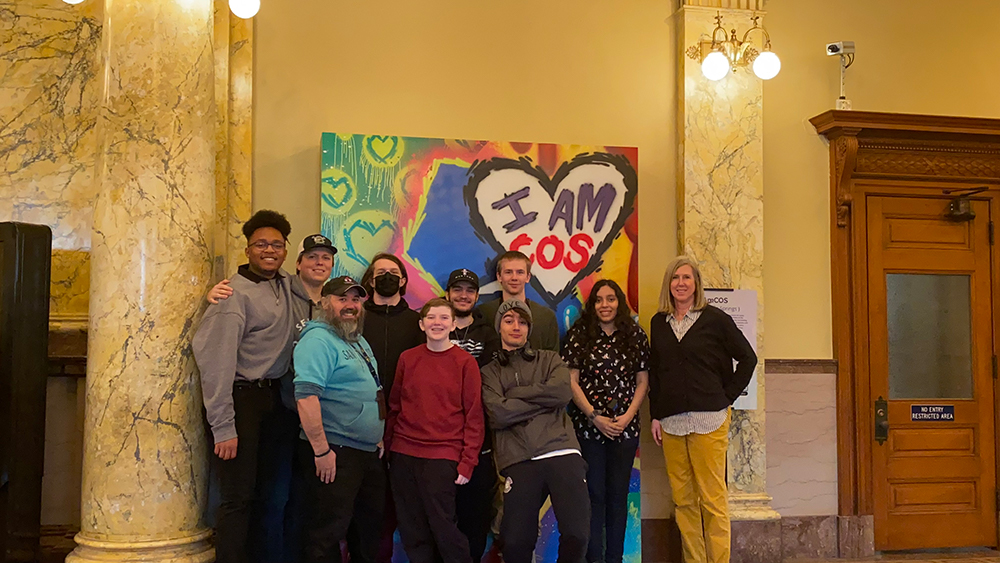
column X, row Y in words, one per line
column 371, row 367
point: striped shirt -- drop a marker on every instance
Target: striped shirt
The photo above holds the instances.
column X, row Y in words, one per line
column 691, row 422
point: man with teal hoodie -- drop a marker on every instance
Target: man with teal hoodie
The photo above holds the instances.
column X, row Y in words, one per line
column 340, row 401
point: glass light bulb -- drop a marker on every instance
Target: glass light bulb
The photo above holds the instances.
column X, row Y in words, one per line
column 245, row 9
column 73, row 1
column 715, row 66
column 766, row 65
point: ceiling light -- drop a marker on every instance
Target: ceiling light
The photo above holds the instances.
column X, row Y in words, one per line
column 245, row 9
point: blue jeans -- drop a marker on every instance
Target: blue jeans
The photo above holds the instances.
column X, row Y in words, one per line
column 609, row 469
column 282, row 491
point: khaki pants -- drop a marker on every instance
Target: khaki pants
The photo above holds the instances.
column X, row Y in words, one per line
column 696, row 467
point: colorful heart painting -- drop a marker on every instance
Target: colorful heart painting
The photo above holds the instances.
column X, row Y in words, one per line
column 445, row 204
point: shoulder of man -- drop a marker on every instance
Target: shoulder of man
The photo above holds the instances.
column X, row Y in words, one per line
column 489, row 309
column 298, row 289
column 541, row 312
column 244, row 292
column 549, row 357
column 492, row 368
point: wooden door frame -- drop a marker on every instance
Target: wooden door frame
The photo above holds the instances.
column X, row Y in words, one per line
column 889, row 154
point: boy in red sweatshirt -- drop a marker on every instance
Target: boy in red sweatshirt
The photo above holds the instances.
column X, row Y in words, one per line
column 433, row 432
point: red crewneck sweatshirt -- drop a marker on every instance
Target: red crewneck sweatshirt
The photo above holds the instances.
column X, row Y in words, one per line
column 435, row 410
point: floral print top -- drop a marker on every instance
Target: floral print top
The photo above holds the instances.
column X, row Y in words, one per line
column 608, row 368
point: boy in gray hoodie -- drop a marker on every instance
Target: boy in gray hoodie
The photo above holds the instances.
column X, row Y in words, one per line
column 242, row 347
column 525, row 393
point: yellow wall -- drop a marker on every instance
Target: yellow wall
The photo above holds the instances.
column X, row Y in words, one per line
column 561, row 71
column 603, row 72
column 914, row 56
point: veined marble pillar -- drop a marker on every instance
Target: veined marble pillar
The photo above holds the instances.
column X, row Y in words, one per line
column 720, row 207
column 234, row 136
column 144, row 469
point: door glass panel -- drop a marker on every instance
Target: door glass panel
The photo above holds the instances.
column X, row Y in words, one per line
column 930, row 336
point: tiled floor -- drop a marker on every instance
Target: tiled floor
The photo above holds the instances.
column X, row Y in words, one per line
column 57, row 542
column 978, row 556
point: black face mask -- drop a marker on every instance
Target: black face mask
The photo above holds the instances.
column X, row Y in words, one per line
column 387, row 284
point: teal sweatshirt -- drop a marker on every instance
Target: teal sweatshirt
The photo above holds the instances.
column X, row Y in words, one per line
column 328, row 367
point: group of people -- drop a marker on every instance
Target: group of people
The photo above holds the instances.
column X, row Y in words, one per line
column 339, row 413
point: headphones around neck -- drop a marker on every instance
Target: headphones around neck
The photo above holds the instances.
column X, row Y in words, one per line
column 526, row 353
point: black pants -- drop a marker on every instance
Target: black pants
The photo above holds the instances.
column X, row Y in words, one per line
column 609, row 470
column 387, row 542
column 283, row 490
column 474, row 505
column 424, row 491
column 357, row 491
column 528, row 483
column 239, row 528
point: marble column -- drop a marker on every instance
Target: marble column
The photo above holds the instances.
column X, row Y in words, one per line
column 234, row 45
column 720, row 207
column 144, row 474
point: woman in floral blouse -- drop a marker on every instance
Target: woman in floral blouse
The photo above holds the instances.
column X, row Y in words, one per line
column 608, row 355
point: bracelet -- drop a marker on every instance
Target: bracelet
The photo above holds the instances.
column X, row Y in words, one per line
column 324, row 454
column 592, row 415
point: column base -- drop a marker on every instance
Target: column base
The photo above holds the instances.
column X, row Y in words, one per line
column 191, row 549
column 755, row 529
column 751, row 506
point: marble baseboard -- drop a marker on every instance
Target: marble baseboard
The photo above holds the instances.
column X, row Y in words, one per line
column 856, row 536
column 809, row 537
column 661, row 541
column 771, row 541
column 756, row 541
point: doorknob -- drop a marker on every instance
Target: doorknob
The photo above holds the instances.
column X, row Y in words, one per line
column 881, row 420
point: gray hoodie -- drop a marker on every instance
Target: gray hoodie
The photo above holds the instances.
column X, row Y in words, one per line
column 244, row 338
column 525, row 401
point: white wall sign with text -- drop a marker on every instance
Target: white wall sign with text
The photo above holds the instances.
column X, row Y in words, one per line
column 741, row 305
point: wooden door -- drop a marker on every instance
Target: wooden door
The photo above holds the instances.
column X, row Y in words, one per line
column 931, row 360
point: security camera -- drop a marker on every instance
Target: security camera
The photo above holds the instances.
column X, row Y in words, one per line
column 840, row 48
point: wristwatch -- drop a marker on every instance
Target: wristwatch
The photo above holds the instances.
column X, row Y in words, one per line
column 593, row 414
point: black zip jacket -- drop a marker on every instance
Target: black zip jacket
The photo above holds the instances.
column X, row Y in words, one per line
column 479, row 339
column 696, row 374
column 390, row 330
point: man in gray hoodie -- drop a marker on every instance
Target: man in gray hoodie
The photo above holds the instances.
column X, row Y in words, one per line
column 525, row 393
column 282, row 487
column 243, row 347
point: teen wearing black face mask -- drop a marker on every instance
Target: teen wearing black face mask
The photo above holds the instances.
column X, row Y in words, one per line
column 391, row 328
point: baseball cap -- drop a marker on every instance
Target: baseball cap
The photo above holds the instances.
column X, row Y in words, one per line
column 510, row 305
column 339, row 286
column 462, row 275
column 316, row 241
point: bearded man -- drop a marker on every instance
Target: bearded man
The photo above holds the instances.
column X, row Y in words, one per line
column 341, row 404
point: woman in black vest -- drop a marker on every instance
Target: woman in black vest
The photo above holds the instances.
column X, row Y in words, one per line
column 692, row 386
column 608, row 357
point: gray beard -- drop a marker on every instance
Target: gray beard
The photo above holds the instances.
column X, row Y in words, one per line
column 348, row 330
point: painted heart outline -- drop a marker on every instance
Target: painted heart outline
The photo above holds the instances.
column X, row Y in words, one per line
column 510, row 198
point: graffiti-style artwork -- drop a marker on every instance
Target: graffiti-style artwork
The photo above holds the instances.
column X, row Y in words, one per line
column 442, row 204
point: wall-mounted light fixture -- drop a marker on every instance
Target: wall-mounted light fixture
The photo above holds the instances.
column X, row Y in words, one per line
column 720, row 55
column 245, row 9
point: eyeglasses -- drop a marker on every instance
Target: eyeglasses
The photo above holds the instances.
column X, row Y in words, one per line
column 263, row 244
